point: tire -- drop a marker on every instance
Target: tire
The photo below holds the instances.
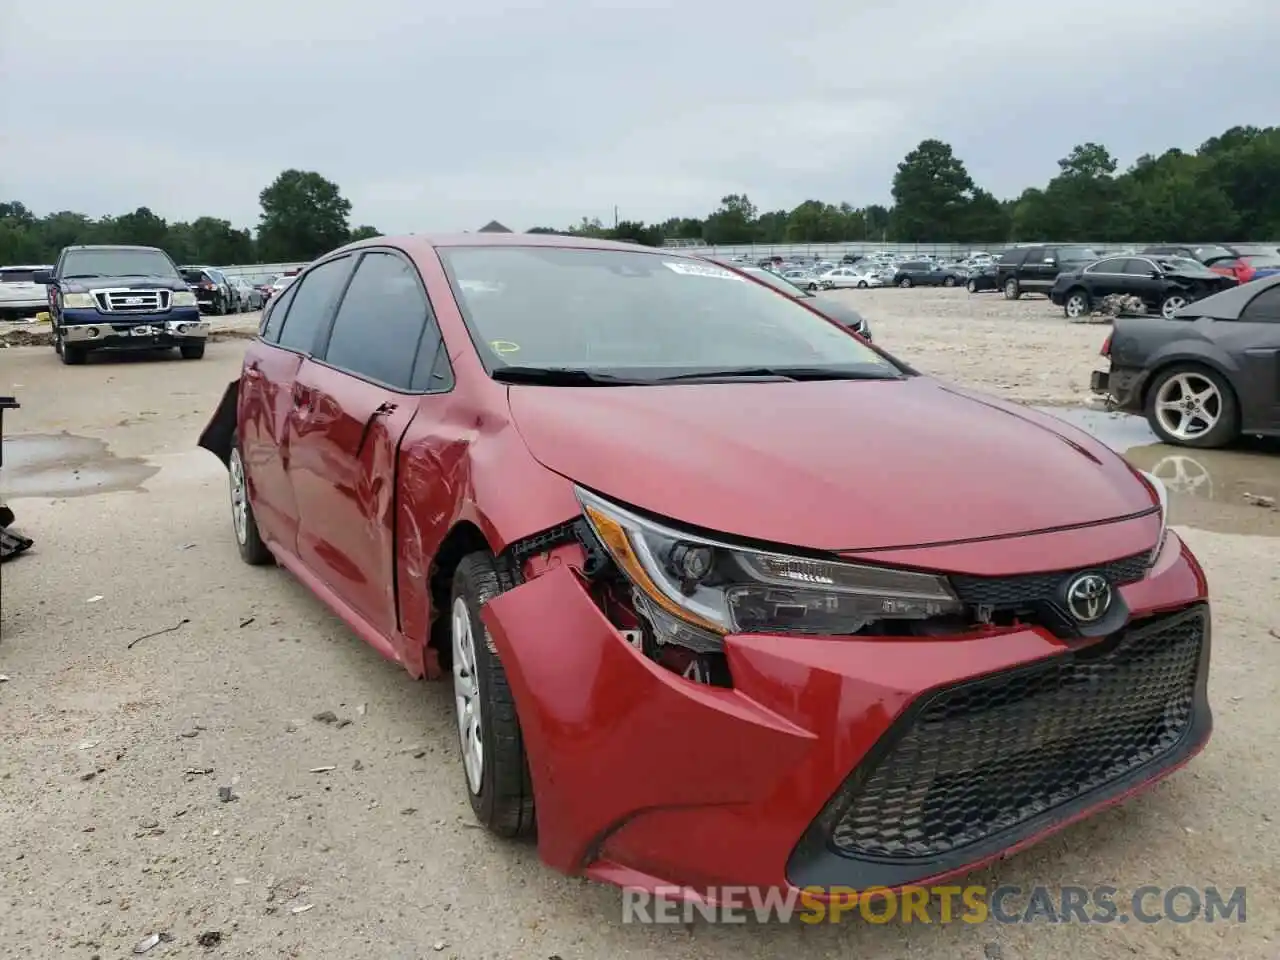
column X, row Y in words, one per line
column 497, row 780
column 812, row 288
column 219, row 307
column 862, row 284
column 248, row 540
column 1172, row 383
column 191, row 351
column 971, row 287
column 948, row 281
column 1172, row 303
column 905, row 283
column 1076, row 304
column 72, row 356
column 1011, row 289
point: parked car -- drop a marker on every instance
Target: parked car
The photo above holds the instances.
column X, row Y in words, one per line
column 1237, row 268
column 844, row 278
column 1164, row 284
column 924, row 273
column 982, row 278
column 801, row 278
column 214, row 292
column 1205, row 376
column 1035, row 268
column 281, row 283
column 20, row 295
column 119, row 298
column 247, row 296
column 1263, row 265
column 829, row 307
column 1204, row 252
column 713, row 484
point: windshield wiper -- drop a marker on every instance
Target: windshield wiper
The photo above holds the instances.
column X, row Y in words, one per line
column 562, row 377
column 780, row 373
column 81, row 276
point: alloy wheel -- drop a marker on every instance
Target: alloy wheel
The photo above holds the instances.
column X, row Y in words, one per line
column 1172, row 305
column 239, row 498
column 466, row 695
column 1076, row 306
column 1188, row 405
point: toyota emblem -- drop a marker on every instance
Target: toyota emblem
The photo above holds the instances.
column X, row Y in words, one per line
column 1089, row 597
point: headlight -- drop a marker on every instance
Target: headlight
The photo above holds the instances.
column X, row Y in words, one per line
column 693, row 590
column 183, row 298
column 78, row 301
column 1162, row 495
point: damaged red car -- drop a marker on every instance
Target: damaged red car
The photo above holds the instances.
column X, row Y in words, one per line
column 726, row 595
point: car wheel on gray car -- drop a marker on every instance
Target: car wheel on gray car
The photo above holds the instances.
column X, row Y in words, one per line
column 1192, row 405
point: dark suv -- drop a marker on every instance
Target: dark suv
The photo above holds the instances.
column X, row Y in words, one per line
column 214, row 292
column 1034, row 269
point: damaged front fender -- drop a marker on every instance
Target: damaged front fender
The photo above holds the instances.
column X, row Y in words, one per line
column 218, row 433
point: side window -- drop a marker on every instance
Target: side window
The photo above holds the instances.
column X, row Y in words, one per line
column 432, row 372
column 313, row 300
column 1139, row 268
column 1108, row 267
column 273, row 319
column 1264, row 308
column 1012, row 257
column 382, row 317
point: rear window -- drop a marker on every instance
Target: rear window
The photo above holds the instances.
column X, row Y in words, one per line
column 193, row 276
column 1261, row 262
column 17, row 276
column 1076, row 254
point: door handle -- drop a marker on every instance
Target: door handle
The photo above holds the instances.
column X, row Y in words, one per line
column 382, row 410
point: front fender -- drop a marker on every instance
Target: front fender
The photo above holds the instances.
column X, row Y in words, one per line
column 217, row 434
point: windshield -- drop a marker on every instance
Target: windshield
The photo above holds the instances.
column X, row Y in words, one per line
column 117, row 263
column 1182, row 265
column 778, row 283
column 607, row 311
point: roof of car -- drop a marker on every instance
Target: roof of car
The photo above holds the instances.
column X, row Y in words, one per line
column 111, row 246
column 429, row 241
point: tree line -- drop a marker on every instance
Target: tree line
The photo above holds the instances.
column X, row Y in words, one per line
column 1228, row 188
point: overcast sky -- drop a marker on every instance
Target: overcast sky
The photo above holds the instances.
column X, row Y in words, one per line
column 435, row 116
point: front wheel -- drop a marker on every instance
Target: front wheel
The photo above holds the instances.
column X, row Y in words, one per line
column 948, row 281
column 862, row 284
column 493, row 758
column 248, row 540
column 905, row 283
column 191, row 351
column 812, row 288
column 1190, row 405
column 72, row 355
column 1076, row 305
column 1172, row 304
column 971, row 287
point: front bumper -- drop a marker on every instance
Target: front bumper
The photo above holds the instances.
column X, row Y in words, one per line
column 847, row 762
column 95, row 330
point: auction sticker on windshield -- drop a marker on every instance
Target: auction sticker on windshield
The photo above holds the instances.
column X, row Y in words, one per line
column 701, row 270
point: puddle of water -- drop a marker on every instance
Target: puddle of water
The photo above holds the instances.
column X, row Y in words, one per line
column 1209, row 489
column 64, row 465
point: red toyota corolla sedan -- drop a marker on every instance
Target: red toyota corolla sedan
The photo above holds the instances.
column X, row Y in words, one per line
column 727, row 595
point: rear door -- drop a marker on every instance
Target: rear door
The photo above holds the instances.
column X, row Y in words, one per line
column 269, row 398
column 1040, row 269
column 364, row 385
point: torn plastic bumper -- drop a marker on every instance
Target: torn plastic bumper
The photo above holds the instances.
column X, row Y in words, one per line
column 644, row 778
column 217, row 434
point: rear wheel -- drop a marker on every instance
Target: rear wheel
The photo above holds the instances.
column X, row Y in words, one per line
column 1192, row 406
column 862, row 284
column 971, row 287
column 1011, row 289
column 905, row 283
column 248, row 541
column 492, row 746
column 948, row 281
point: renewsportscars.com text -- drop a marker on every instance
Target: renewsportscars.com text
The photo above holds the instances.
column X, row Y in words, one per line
column 937, row 905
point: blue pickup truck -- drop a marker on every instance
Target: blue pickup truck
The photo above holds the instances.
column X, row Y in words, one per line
column 121, row 298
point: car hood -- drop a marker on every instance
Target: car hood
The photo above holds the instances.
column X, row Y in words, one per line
column 84, row 285
column 829, row 465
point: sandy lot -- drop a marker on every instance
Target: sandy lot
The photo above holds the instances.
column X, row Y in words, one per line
column 112, row 756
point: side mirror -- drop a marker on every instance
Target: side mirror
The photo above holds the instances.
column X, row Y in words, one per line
column 1155, row 274
column 42, row 277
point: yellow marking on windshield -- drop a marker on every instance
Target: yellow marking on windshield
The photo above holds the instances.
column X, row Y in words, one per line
column 504, row 346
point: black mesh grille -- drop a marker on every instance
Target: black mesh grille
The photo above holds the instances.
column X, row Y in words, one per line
column 1031, row 589
column 988, row 755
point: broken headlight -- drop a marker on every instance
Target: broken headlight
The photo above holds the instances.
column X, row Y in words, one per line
column 693, row 589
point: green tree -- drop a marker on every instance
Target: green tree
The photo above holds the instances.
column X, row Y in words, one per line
column 733, row 222
column 364, row 232
column 931, row 192
column 303, row 216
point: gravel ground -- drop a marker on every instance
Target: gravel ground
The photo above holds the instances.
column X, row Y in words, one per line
column 113, row 757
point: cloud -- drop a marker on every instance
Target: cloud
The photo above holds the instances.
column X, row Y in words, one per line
column 536, row 113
